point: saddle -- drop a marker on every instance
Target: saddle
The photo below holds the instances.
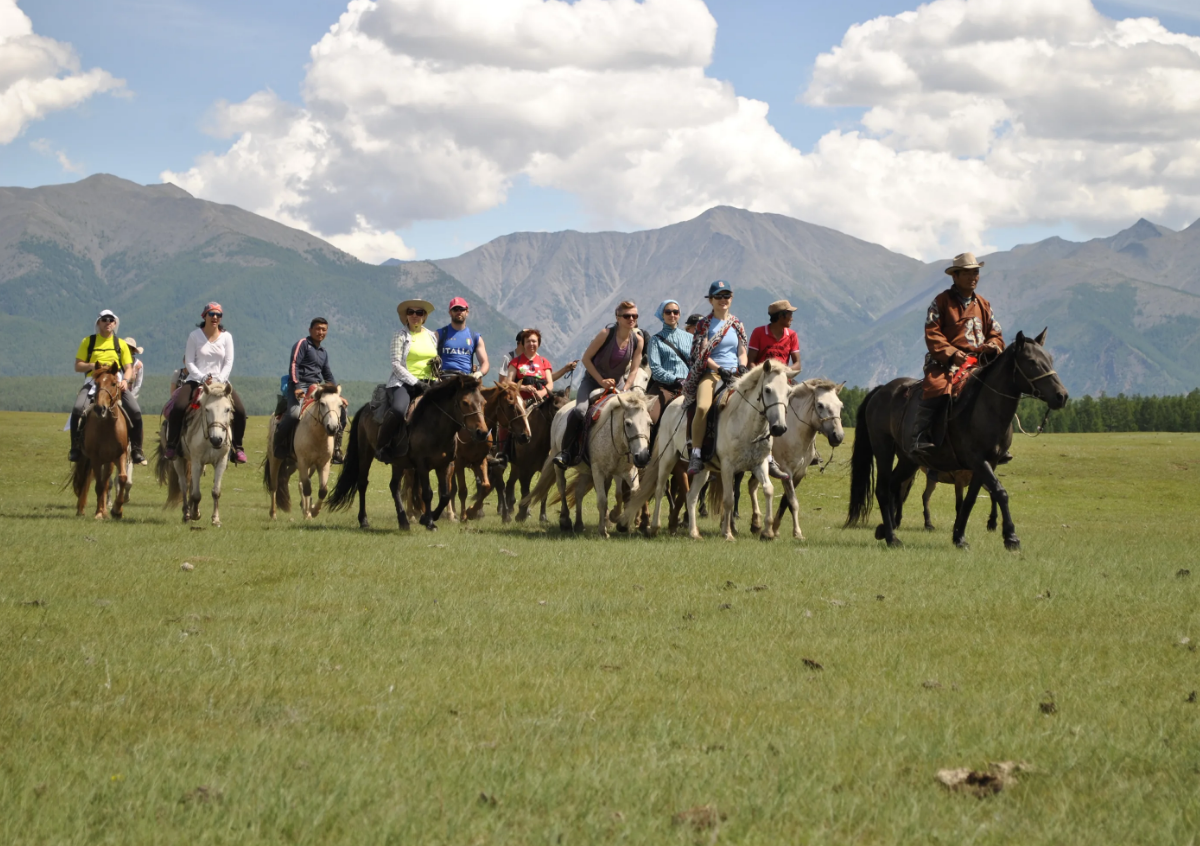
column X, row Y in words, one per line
column 720, row 400
column 379, row 403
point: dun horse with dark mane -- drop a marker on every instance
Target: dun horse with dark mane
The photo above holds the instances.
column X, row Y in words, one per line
column 978, row 433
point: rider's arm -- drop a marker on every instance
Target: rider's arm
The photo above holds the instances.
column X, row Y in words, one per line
column 993, row 338
column 512, row 373
column 400, row 344
column 227, row 359
column 569, row 367
column 636, row 360
column 82, row 366
column 590, row 352
column 481, row 354
column 655, row 355
column 549, row 386
column 939, row 345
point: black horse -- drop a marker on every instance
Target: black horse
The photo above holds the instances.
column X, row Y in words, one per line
column 978, row 433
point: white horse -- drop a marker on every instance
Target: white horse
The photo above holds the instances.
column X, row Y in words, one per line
column 313, row 450
column 206, row 439
column 813, row 409
column 754, row 411
column 618, row 444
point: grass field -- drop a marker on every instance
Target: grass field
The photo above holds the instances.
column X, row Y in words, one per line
column 317, row 683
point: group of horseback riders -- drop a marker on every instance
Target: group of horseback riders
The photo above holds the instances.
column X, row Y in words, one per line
column 960, row 330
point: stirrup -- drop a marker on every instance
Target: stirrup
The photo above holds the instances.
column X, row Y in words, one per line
column 695, row 465
column 563, row 459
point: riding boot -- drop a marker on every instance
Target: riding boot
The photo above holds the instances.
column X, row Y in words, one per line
column 775, row 471
column 135, row 441
column 76, row 436
column 338, row 457
column 566, row 457
column 282, row 447
column 923, row 427
column 387, row 431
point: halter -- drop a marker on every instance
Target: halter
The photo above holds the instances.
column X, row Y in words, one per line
column 324, row 411
column 762, row 387
column 458, row 425
column 522, row 415
column 613, row 436
column 820, row 422
column 112, row 391
column 1031, row 393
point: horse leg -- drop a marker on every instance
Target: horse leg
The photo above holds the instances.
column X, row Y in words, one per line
column 564, row 512
column 366, row 456
column 727, row 497
column 580, row 493
column 218, row 474
column 991, row 523
column 987, row 478
column 885, row 531
column 122, row 486
column 791, row 503
column 760, row 474
column 394, row 487
column 272, row 478
column 323, row 489
column 304, row 477
column 103, row 471
column 756, row 520
column 930, row 485
column 483, row 478
column 601, row 485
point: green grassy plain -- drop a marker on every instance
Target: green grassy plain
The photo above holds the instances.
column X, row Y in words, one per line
column 317, row 683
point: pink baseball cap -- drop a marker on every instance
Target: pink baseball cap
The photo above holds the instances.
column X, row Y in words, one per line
column 458, row 302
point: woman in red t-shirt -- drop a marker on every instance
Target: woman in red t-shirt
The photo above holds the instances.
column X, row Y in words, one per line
column 776, row 340
column 533, row 372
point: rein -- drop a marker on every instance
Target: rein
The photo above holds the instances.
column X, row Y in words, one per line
column 762, row 387
column 613, row 437
column 1031, row 393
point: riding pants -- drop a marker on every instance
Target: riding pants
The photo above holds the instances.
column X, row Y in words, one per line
column 705, row 389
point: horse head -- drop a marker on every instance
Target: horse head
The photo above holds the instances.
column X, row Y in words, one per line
column 469, row 405
column 635, row 412
column 767, row 385
column 329, row 398
column 824, row 407
column 1034, row 372
column 108, row 389
column 511, row 409
column 216, row 404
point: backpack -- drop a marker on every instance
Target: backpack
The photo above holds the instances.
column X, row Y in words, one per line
column 116, row 347
column 441, row 340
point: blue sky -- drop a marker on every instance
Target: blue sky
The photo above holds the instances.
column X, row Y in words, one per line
column 179, row 58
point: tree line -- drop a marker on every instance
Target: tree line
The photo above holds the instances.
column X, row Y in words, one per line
column 1136, row 413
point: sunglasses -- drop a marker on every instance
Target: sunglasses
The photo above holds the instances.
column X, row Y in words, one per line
column 670, row 311
column 457, row 308
column 726, row 296
column 215, row 314
column 108, row 320
column 419, row 312
column 628, row 316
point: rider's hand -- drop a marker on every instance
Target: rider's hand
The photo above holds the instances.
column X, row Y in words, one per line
column 208, row 380
column 724, row 374
column 571, row 367
column 299, row 393
column 608, row 384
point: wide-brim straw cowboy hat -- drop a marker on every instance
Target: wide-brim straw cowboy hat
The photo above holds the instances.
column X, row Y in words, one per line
column 133, row 345
column 407, row 304
column 964, row 261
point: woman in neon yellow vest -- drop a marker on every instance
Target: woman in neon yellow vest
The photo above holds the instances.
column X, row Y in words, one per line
column 414, row 349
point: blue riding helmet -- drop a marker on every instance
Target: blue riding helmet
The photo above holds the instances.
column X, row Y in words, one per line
column 717, row 287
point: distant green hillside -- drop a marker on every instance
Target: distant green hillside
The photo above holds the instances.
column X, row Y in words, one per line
column 269, row 294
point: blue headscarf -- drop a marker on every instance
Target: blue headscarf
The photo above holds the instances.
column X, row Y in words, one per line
column 658, row 311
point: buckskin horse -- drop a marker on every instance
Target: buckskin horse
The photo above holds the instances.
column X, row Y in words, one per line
column 450, row 406
column 105, row 446
column 978, row 433
column 312, row 450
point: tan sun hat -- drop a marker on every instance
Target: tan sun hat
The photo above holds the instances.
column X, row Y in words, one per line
column 133, row 345
column 964, row 261
column 778, row 306
column 407, row 304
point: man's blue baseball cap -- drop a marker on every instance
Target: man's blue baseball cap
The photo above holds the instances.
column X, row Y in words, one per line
column 719, row 286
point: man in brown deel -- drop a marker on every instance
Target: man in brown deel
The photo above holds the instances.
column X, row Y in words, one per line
column 959, row 329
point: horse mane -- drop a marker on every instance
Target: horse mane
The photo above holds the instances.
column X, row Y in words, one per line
column 326, row 388
column 447, row 387
column 820, row 384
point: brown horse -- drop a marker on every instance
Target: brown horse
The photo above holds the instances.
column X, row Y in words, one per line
column 504, row 406
column 961, row 479
column 447, row 408
column 105, row 444
column 529, row 458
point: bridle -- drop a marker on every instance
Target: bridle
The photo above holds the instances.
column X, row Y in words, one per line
column 762, row 388
column 462, row 424
column 326, row 413
column 110, row 390
column 821, row 421
column 1032, row 392
column 628, row 440
column 210, row 424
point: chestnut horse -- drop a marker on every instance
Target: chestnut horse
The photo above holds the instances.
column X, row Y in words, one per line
column 529, row 458
column 447, row 408
column 503, row 405
column 105, row 445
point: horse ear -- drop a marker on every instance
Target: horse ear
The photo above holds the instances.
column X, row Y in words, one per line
column 1020, row 340
column 838, row 389
column 1040, row 340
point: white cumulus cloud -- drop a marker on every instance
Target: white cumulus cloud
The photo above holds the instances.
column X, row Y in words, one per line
column 39, row 75
column 977, row 114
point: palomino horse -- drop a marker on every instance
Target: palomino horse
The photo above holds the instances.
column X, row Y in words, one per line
column 450, row 406
column 979, row 431
column 312, row 450
column 531, row 457
column 105, row 444
column 618, row 445
column 813, row 409
column 205, row 440
column 503, row 405
column 754, row 411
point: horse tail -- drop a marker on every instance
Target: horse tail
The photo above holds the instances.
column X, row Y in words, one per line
column 162, row 468
column 862, row 466
column 79, row 475
column 546, row 481
column 716, row 494
column 283, row 491
column 347, row 483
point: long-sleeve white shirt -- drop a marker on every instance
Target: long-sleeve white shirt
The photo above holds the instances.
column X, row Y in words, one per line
column 206, row 358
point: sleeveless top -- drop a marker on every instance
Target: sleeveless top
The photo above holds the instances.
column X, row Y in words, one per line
column 611, row 360
column 457, row 349
column 421, row 353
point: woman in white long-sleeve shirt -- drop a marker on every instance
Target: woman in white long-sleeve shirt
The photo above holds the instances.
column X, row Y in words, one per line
column 209, row 357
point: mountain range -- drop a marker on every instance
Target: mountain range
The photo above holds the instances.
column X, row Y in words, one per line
column 155, row 255
column 1123, row 312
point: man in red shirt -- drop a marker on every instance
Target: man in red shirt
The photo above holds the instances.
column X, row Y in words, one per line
column 776, row 340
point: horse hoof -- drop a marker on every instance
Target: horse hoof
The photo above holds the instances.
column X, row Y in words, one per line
column 991, row 526
column 880, row 532
column 364, row 524
column 929, row 527
column 431, row 527
column 895, row 543
column 579, row 528
column 565, row 525
column 962, row 544
column 766, row 537
column 622, row 529
column 1012, row 544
